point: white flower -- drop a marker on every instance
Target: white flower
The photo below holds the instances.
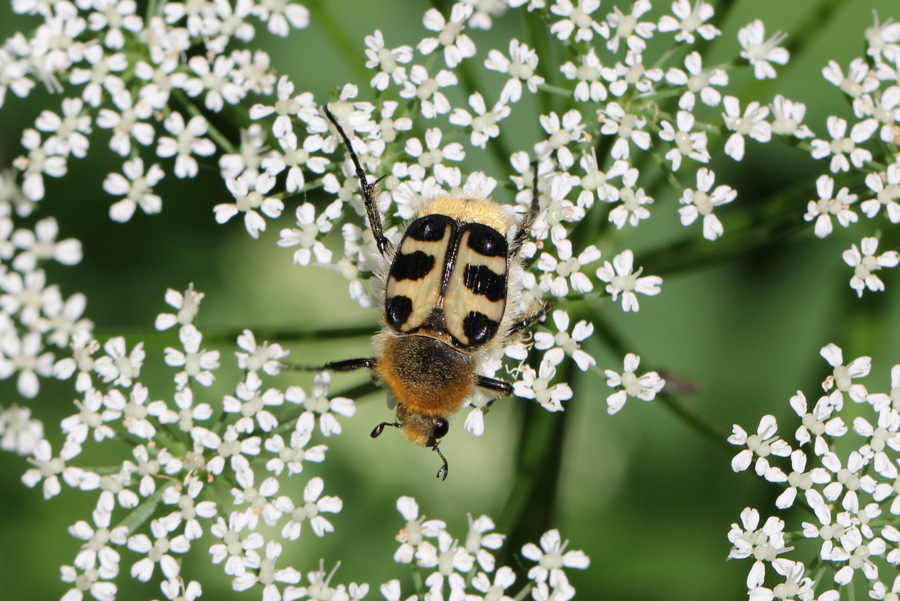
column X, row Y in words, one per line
column 281, row 15
column 843, row 375
column 198, row 364
column 69, row 131
column 235, row 542
column 41, row 245
column 762, row 444
column 187, row 305
column 567, row 342
column 886, row 186
column 700, row 202
column 589, row 74
column 313, row 505
column 840, row 147
column 627, row 127
column 627, row 27
column 118, row 366
column 688, row 20
column 644, row 387
column 560, row 133
column 216, row 80
column 559, row 273
column 309, row 229
column 427, row 90
column 686, row 142
column 577, row 19
column 820, row 421
column 250, row 402
column 188, row 141
column 414, row 532
column 48, row 468
column 520, row 66
column 696, row 80
column 457, row 45
column 386, row 60
column 759, row 52
column 287, row 105
column 136, row 187
column 763, row 544
column 266, row 357
column 536, row 384
column 484, row 122
column 826, row 207
column 157, row 551
column 622, row 279
column 752, row 124
column 865, row 263
column 552, row 557
column 318, row 402
column 479, row 539
column 249, row 190
column 788, row 118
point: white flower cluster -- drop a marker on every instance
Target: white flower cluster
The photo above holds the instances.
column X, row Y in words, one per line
column 844, row 472
column 263, row 435
column 467, row 567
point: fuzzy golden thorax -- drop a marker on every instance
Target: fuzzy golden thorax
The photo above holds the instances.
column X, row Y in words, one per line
column 428, row 378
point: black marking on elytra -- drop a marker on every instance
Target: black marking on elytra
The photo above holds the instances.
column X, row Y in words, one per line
column 397, row 310
column 487, row 241
column 430, row 228
column 485, row 282
column 413, row 266
column 479, row 328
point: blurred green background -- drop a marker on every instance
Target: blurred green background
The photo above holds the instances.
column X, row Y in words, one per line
column 647, row 498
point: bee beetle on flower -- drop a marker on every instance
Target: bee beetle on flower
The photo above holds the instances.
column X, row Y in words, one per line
column 450, row 296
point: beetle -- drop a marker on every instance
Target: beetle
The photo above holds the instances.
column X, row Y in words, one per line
column 450, row 294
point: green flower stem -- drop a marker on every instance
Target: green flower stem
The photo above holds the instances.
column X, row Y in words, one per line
column 691, row 415
column 773, row 220
column 336, row 32
column 531, row 504
column 813, row 26
column 147, row 508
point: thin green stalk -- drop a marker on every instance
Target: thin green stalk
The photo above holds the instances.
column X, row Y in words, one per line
column 692, row 416
column 336, row 32
column 531, row 503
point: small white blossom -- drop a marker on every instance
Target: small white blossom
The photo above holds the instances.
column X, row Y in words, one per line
column 483, row 122
column 685, row 142
column 866, row 263
column 457, row 45
column 752, row 124
column 137, row 188
column 701, row 202
column 187, row 142
column 249, row 191
column 826, row 207
column 552, row 557
column 577, row 19
column 622, row 279
column 844, row 150
column 644, row 387
column 688, row 20
column 886, row 186
column 760, row 52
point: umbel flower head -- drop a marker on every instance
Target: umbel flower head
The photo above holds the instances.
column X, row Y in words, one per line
column 577, row 119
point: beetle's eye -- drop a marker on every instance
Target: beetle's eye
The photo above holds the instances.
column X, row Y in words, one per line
column 441, row 427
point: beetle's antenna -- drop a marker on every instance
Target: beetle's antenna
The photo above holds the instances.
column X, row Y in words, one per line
column 371, row 208
column 380, row 428
column 442, row 473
